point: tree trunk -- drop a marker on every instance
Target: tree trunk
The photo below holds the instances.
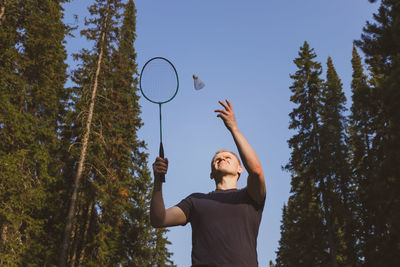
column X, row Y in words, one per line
column 87, row 224
column 2, row 12
column 327, row 214
column 82, row 158
column 74, row 241
column 4, row 229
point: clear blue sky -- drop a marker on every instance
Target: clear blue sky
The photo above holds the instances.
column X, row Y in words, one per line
column 243, row 51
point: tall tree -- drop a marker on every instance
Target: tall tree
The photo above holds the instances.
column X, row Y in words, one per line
column 32, row 96
column 361, row 130
column 336, row 185
column 111, row 225
column 297, row 246
column 104, row 27
column 380, row 43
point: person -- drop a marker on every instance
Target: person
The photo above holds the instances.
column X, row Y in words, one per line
column 224, row 222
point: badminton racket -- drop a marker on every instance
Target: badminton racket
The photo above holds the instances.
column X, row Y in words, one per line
column 159, row 84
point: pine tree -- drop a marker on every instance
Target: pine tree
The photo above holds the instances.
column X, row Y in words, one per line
column 381, row 214
column 15, row 131
column 32, row 96
column 297, row 246
column 361, row 131
column 104, row 34
column 302, row 231
column 336, row 184
column 112, row 223
column 160, row 254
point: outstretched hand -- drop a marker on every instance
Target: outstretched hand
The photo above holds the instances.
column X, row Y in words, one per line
column 227, row 115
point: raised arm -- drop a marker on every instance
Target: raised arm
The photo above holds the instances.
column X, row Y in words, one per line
column 255, row 181
column 159, row 216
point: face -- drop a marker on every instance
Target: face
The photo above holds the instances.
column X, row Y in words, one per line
column 225, row 163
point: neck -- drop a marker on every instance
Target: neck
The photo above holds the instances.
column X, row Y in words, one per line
column 226, row 182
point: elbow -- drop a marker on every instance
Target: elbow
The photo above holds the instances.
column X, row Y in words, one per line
column 257, row 171
column 156, row 225
column 155, row 222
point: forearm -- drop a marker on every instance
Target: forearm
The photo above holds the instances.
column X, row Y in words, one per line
column 255, row 181
column 157, row 207
column 247, row 154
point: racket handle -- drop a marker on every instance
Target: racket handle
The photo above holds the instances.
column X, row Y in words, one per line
column 161, row 155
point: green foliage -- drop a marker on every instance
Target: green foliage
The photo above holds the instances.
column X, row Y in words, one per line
column 360, row 134
column 41, row 126
column 318, row 220
column 116, row 180
column 376, row 138
column 31, row 106
column 356, row 191
column 302, row 241
column 336, row 185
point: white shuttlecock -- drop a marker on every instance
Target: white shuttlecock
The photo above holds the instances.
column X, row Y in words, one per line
column 198, row 84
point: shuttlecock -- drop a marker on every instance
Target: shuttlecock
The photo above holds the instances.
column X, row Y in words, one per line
column 198, row 84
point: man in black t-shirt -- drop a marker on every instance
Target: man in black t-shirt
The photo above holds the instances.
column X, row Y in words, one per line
column 224, row 222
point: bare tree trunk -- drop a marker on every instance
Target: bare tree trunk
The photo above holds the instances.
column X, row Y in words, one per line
column 2, row 12
column 4, row 229
column 74, row 241
column 82, row 158
column 87, row 224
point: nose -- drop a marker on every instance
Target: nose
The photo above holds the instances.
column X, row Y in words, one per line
column 220, row 160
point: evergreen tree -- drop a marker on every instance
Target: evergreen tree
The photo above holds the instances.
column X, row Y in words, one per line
column 160, row 254
column 381, row 214
column 361, row 131
column 104, row 19
column 112, row 224
column 297, row 246
column 31, row 106
column 336, row 185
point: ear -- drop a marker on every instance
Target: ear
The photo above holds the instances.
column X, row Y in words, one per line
column 240, row 169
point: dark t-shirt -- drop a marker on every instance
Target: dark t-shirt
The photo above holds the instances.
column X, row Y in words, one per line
column 225, row 226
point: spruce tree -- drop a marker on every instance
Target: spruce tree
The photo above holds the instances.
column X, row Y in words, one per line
column 111, row 225
column 32, row 98
column 361, row 160
column 104, row 15
column 297, row 246
column 380, row 43
column 336, row 184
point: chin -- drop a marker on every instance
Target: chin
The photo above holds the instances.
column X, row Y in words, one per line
column 226, row 171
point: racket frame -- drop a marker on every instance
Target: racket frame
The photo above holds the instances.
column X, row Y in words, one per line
column 161, row 149
column 177, row 81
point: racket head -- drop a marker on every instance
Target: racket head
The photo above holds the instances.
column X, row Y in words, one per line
column 159, row 80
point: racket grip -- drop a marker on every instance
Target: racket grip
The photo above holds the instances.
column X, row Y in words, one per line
column 161, row 155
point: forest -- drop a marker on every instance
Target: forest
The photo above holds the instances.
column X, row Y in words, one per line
column 75, row 186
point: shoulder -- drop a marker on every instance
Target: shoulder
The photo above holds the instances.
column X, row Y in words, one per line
column 192, row 198
column 256, row 204
column 197, row 196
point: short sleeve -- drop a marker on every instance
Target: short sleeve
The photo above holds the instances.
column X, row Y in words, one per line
column 256, row 205
column 186, row 206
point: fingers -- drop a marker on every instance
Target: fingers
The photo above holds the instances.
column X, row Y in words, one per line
column 227, row 114
column 221, row 111
column 226, row 106
column 229, row 103
column 227, row 111
column 160, row 166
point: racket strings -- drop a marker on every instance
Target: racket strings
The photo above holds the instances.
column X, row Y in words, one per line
column 159, row 81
